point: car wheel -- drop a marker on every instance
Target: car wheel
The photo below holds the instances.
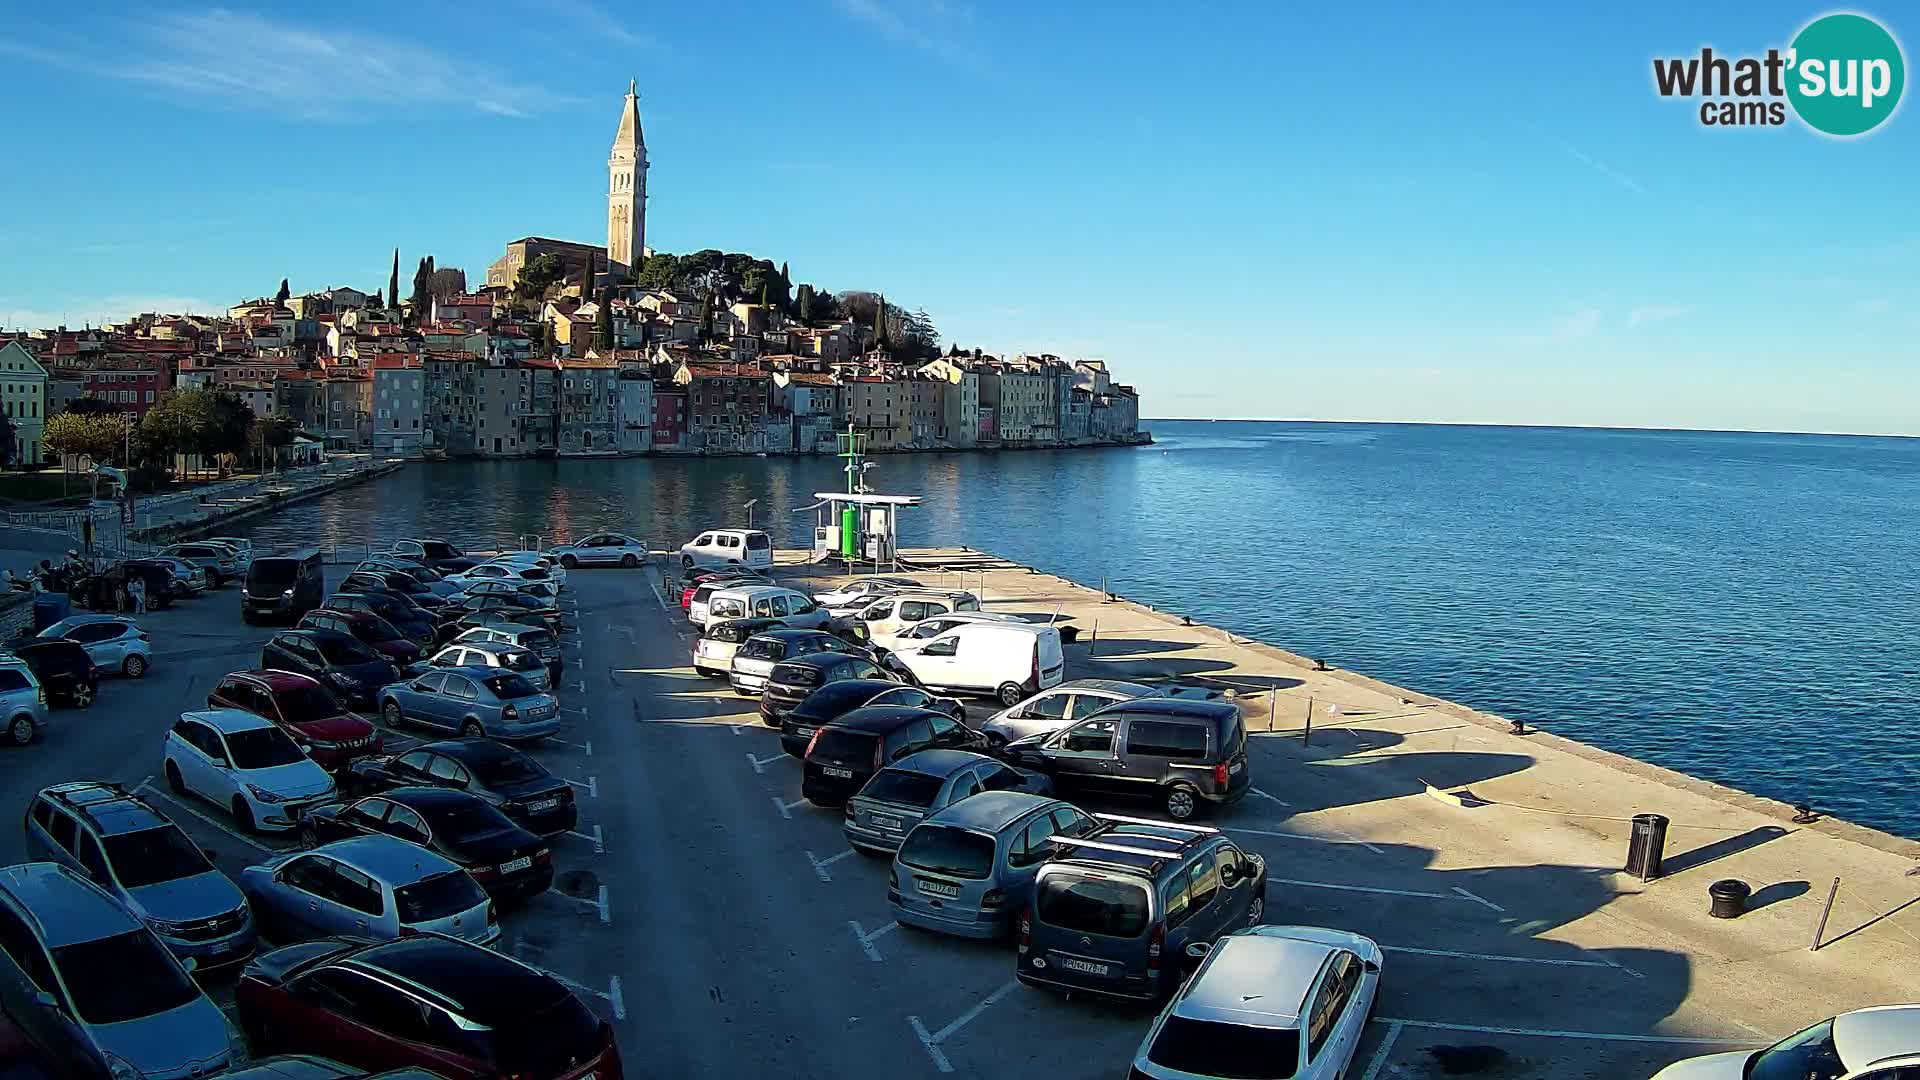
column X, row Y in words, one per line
column 243, row 814
column 308, row 838
column 472, row 730
column 569, row 562
column 390, row 713
column 1256, row 910
column 81, row 695
column 174, row 783
column 1181, row 802
column 629, row 560
column 685, row 563
column 20, row 731
column 135, row 666
column 1010, row 694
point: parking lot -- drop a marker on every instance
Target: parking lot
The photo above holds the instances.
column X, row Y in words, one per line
column 724, row 925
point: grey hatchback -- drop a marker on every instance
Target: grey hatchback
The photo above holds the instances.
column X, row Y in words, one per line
column 967, row 869
column 900, row 795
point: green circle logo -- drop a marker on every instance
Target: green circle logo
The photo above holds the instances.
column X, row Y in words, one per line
column 1845, row 74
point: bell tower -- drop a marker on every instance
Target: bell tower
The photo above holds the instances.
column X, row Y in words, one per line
column 627, row 189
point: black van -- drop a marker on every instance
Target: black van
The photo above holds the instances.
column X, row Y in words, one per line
column 283, row 587
column 1182, row 753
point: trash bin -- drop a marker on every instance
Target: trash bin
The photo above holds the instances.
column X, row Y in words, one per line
column 1729, row 898
column 49, row 608
column 1646, row 850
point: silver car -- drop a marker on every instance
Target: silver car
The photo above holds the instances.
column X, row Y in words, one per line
column 219, row 561
column 494, row 654
column 966, row 870
column 23, row 702
column 1071, row 702
column 902, row 794
column 375, row 886
column 601, row 549
column 113, row 642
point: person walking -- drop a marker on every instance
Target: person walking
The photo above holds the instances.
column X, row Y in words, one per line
column 137, row 593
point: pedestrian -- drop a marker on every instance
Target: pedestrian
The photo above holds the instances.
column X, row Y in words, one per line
column 137, row 592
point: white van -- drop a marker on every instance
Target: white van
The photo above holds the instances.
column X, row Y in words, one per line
column 794, row 609
column 1007, row 661
column 729, row 547
column 889, row 614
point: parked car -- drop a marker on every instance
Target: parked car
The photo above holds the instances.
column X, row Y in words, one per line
column 473, row 701
column 156, row 576
column 241, row 546
column 542, row 593
column 507, row 860
column 1281, row 999
column 439, row 554
column 523, row 609
column 310, row 1067
column 412, row 621
column 997, row 660
column 488, row 654
column 721, row 547
column 183, row 578
column 418, row 573
column 692, row 579
column 373, row 886
column 795, row 609
column 1878, row 1043
column 508, row 573
column 550, row 568
column 283, row 587
column 65, row 670
column 602, row 549
column 534, row 639
column 246, row 764
column 912, row 634
column 791, row 680
column 311, row 715
column 218, row 560
column 756, row 658
column 37, row 1042
column 1182, row 755
column 506, row 778
column 897, row 797
column 967, row 869
column 120, row 989
column 1073, row 701
column 864, row 590
column 367, row 628
column 844, row 755
column 720, row 641
column 114, row 643
column 140, row 858
column 836, row 699
column 351, row 670
column 1115, row 913
column 372, row 582
column 495, row 1017
column 895, row 610
column 23, row 701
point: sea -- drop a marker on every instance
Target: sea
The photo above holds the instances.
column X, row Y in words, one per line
column 1739, row 607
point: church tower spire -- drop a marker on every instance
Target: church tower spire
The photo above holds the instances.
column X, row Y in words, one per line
column 627, row 189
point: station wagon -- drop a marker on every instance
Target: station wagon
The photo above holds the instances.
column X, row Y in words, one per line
column 967, row 869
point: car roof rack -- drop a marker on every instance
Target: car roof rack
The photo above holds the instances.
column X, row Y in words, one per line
column 119, row 790
column 1101, row 845
column 1205, row 829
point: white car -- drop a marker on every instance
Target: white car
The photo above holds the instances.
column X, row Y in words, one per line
column 113, row 643
column 914, row 633
column 242, row 548
column 863, row 591
column 1071, row 702
column 510, row 572
column 245, row 764
column 530, row 560
column 890, row 613
column 729, row 547
column 1280, row 1000
column 1881, row 1043
column 601, row 549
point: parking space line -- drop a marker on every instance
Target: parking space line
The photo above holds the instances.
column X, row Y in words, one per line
column 1480, row 900
column 1538, row 1033
column 932, row 1041
column 866, row 940
column 586, row 746
column 785, row 808
column 1372, row 889
column 1343, row 838
column 1502, row 958
column 760, row 766
column 820, row 865
column 1269, row 798
column 179, row 804
column 1385, row 1051
column 591, row 787
column 606, row 912
column 599, row 842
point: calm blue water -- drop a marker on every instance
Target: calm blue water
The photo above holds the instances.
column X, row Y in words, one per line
column 1738, row 607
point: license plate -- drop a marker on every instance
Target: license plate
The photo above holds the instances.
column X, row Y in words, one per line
column 891, row 824
column 838, row 774
column 803, row 732
column 517, row 864
column 543, row 804
column 1086, row 967
column 939, row 888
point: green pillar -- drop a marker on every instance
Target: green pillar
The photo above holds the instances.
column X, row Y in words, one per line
column 850, row 531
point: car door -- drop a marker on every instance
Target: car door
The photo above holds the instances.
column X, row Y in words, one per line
column 948, row 733
column 1047, row 712
column 92, row 637
column 414, row 767
column 194, row 754
column 446, row 772
column 405, row 823
column 1156, row 752
column 367, row 815
column 1081, row 758
column 1327, row 1051
column 424, row 701
column 1208, row 907
column 305, row 906
column 357, row 1019
column 936, row 662
column 459, row 700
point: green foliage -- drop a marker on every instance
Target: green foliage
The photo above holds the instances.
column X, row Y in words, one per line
column 7, row 439
column 97, row 436
column 706, row 317
column 393, row 282
column 201, row 421
column 422, row 294
column 660, row 272
column 284, row 294
column 603, row 322
column 539, row 274
column 268, row 435
column 805, row 313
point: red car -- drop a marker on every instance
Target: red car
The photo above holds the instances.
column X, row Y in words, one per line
column 369, row 629
column 305, row 709
column 425, row 1001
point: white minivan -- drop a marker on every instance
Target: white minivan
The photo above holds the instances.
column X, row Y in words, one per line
column 729, row 547
column 794, row 609
column 1008, row 661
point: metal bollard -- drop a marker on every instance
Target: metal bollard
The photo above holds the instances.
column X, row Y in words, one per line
column 1729, row 898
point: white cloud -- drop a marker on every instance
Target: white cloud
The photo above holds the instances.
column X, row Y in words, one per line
column 1578, row 324
column 596, row 22
column 1653, row 313
column 1603, row 169
column 240, row 59
column 76, row 312
column 922, row 24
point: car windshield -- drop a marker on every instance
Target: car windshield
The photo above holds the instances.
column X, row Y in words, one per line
column 844, row 746
column 438, row 897
column 944, row 849
column 308, row 702
column 1229, row 1051
column 764, row 649
column 344, row 651
column 757, row 542
column 272, row 573
column 1093, row 905
column 151, row 856
column 1810, row 1055
column 903, row 787
column 509, row 769
column 124, row 977
column 796, row 675
column 509, row 685
column 262, row 748
column 375, row 630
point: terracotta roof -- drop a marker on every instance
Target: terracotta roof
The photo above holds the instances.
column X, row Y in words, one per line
column 395, row 361
column 725, row 371
column 812, row 378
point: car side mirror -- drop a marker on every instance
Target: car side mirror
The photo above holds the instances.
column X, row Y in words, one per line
column 1370, row 967
column 1247, row 870
column 1199, row 950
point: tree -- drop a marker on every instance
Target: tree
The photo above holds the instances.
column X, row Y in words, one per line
column 880, row 323
column 269, row 434
column 806, row 305
column 96, row 437
column 538, row 275
column 446, row 281
column 706, row 317
column 284, row 293
column 586, row 277
column 661, row 271
column 422, row 295
column 8, row 437
column 393, row 282
column 376, row 302
column 603, row 322
column 763, row 294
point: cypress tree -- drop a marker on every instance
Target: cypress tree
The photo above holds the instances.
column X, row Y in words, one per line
column 880, row 322
column 284, row 292
column 806, row 305
column 603, row 322
column 393, row 282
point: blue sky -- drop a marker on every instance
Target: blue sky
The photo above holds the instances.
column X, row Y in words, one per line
column 1343, row 212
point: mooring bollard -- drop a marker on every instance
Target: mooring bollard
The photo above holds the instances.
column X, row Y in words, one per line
column 1646, row 849
column 1729, row 898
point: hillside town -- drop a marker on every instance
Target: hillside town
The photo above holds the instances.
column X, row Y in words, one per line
column 574, row 349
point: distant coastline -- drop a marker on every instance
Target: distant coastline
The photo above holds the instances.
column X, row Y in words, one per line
column 1523, row 427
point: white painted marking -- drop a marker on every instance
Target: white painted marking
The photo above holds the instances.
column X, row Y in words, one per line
column 606, row 913
column 820, row 865
column 1381, row 1055
column 760, row 766
column 591, row 787
column 209, row 819
column 1342, row 839
column 781, row 806
column 661, row 599
column 933, row 1049
column 616, row 999
column 1594, row 1036
column 580, row 686
column 588, row 747
column 866, row 940
column 1269, row 798
column 1500, row 958
column 1480, row 900
column 1363, row 889
column 932, row 1041
column 597, row 840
